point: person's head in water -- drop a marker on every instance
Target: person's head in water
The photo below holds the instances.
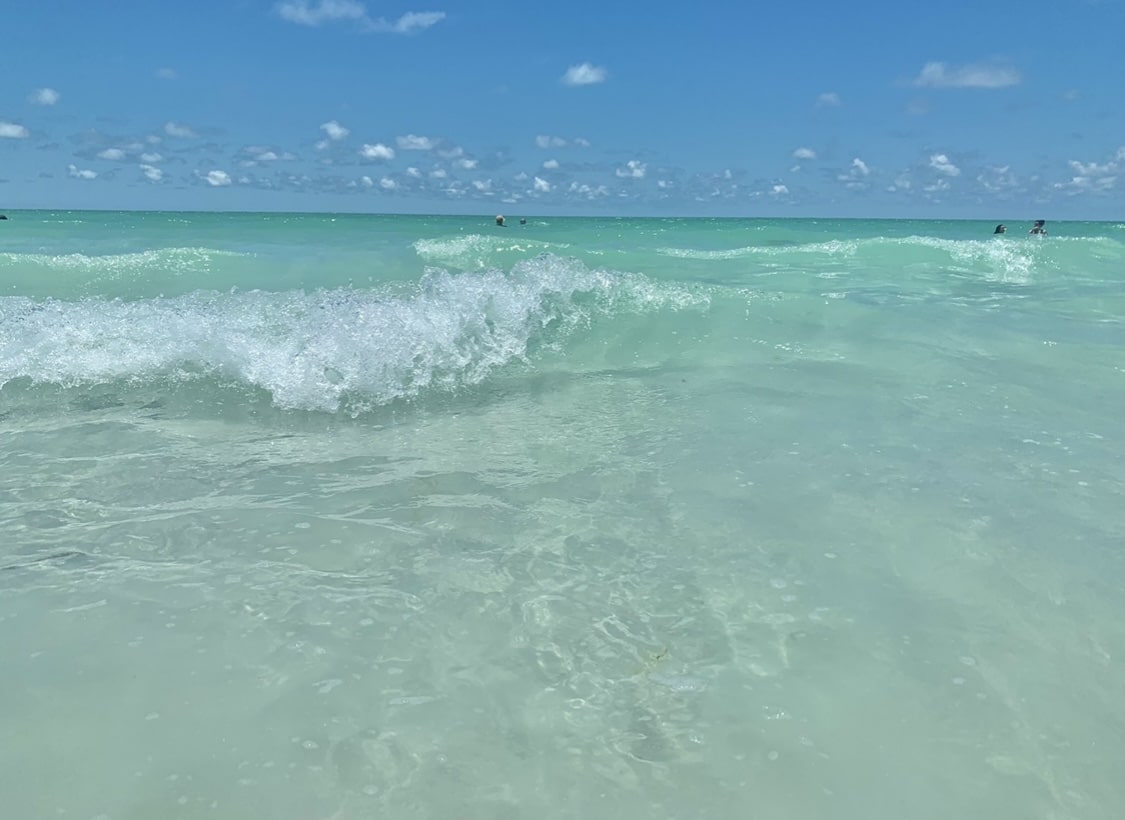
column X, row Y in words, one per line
column 523, row 221
column 500, row 220
column 1001, row 229
column 1038, row 227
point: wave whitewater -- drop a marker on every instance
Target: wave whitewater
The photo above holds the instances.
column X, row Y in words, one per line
column 1014, row 258
column 327, row 350
column 475, row 251
column 162, row 261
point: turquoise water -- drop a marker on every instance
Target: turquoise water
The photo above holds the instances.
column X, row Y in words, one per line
column 416, row 517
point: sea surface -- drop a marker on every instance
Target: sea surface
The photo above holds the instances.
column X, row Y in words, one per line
column 315, row 517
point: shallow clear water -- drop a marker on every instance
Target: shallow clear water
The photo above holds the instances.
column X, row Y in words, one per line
column 344, row 517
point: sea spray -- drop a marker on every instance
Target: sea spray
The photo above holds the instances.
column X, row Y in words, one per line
column 316, row 350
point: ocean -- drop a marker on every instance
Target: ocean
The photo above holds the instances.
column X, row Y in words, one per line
column 322, row 517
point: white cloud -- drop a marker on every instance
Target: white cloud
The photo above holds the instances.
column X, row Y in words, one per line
column 940, row 75
column 1094, row 177
column 388, row 184
column 551, row 165
column 584, row 74
column 998, row 179
column 12, row 131
column 941, row 164
column 1080, row 185
column 409, row 23
column 582, row 142
column 902, row 182
column 438, row 173
column 218, row 178
column 377, row 151
column 1089, row 169
column 588, row 192
column 482, row 184
column 153, row 173
column 326, row 11
column 112, row 153
column 940, row 185
column 856, row 175
column 367, row 181
column 334, row 130
column 634, row 169
column 804, row 153
column 466, row 164
column 151, row 158
column 829, row 99
column 79, row 173
column 175, row 129
column 779, row 190
column 305, row 13
column 412, row 142
column 452, row 153
column 413, row 172
column 542, row 185
column 167, row 73
column 543, row 141
column 44, row 96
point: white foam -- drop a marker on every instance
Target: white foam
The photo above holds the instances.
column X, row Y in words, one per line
column 1004, row 259
column 477, row 251
column 846, row 247
column 324, row 349
column 161, row 261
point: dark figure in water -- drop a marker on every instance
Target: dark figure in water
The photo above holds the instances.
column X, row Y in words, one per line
column 523, row 221
column 1038, row 227
column 2, row 216
column 1001, row 229
column 500, row 221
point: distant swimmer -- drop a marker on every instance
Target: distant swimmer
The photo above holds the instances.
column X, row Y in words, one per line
column 1038, row 228
column 500, row 221
column 523, row 221
column 2, row 216
column 1001, row 229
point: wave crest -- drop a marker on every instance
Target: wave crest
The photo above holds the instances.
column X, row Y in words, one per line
column 325, row 350
column 476, row 251
column 1014, row 259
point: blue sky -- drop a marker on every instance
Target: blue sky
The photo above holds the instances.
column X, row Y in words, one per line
column 1008, row 110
